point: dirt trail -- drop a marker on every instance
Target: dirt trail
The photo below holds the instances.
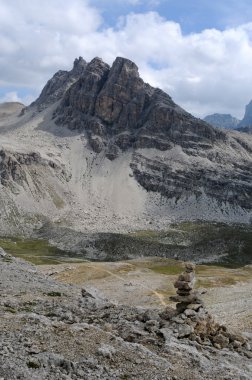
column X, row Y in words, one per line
column 136, row 283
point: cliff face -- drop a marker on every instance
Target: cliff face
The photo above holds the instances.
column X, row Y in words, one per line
column 247, row 120
column 59, row 83
column 118, row 111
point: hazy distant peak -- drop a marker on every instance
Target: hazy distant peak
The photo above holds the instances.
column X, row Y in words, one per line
column 222, row 120
column 9, row 108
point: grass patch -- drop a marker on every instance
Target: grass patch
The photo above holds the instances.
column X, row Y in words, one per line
column 214, row 276
column 167, row 269
column 36, row 251
column 231, row 243
column 54, row 294
column 33, row 364
column 7, row 259
column 215, row 282
column 145, row 234
column 11, row 310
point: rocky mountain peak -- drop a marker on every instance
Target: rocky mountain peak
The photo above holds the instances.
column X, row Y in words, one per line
column 247, row 120
column 59, row 83
column 125, row 65
column 97, row 66
column 118, row 111
column 165, row 151
column 79, row 65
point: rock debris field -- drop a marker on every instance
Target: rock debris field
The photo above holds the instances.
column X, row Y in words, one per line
column 55, row 331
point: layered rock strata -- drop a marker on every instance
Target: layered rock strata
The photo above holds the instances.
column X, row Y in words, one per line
column 13, row 164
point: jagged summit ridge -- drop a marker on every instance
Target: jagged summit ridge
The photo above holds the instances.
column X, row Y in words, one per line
column 118, row 111
column 59, row 83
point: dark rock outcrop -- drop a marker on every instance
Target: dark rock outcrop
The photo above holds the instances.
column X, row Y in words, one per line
column 247, row 129
column 59, row 83
column 12, row 165
column 219, row 120
column 247, row 120
column 116, row 105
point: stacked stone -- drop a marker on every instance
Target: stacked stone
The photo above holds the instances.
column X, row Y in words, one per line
column 191, row 320
column 186, row 297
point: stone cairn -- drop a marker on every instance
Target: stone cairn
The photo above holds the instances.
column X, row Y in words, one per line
column 186, row 297
column 191, row 320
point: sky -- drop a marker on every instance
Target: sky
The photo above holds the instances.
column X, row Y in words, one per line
column 198, row 51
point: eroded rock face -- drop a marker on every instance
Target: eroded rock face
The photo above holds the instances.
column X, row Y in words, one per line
column 115, row 104
column 232, row 185
column 59, row 83
column 12, row 165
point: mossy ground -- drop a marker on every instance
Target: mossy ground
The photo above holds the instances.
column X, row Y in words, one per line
column 36, row 251
column 234, row 241
column 233, row 244
column 207, row 275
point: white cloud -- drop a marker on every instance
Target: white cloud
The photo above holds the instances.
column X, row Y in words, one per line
column 204, row 72
column 11, row 96
column 134, row 2
column 149, row 3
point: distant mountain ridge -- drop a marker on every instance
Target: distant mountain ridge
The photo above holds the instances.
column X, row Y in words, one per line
column 10, row 108
column 230, row 122
column 222, row 121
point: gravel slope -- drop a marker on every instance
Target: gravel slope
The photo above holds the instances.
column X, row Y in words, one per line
column 53, row 331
